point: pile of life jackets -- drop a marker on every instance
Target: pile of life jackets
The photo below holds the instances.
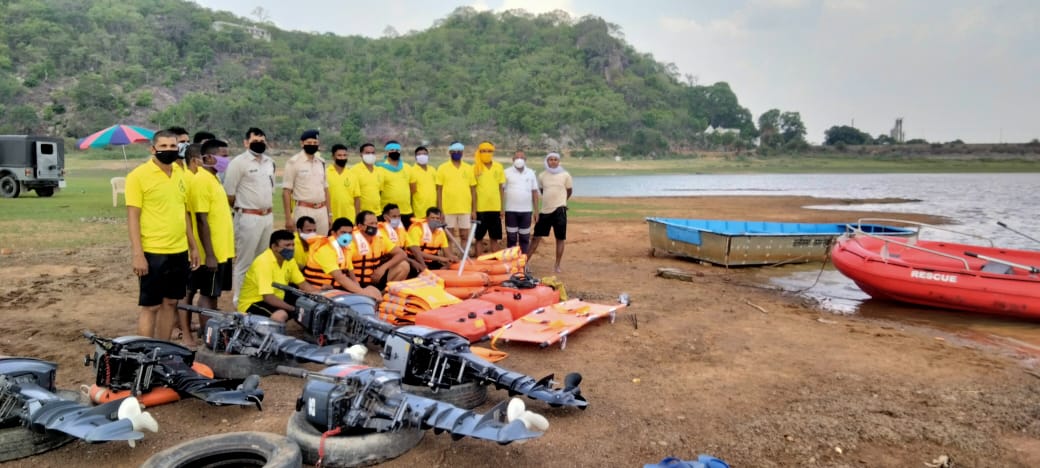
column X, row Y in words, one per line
column 403, row 300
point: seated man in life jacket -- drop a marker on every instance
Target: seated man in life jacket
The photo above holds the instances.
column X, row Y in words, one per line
column 329, row 263
column 275, row 265
column 393, row 228
column 375, row 258
column 306, row 234
column 428, row 241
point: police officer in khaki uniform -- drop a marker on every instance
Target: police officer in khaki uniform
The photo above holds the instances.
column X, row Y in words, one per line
column 249, row 183
column 304, row 185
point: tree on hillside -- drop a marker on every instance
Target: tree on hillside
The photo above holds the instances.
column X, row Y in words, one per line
column 847, row 135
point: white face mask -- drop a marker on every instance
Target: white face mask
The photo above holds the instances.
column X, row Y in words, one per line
column 369, row 158
column 422, row 159
column 307, row 235
column 395, row 222
column 519, row 163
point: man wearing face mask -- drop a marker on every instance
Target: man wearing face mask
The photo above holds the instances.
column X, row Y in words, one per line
column 344, row 190
column 457, row 193
column 218, row 150
column 161, row 241
column 329, row 263
column 274, row 265
column 490, row 180
column 306, row 234
column 376, row 261
column 370, row 181
column 423, row 183
column 396, row 177
column 214, row 230
column 249, row 184
column 521, row 196
column 392, row 226
column 557, row 187
column 428, row 243
column 304, row 185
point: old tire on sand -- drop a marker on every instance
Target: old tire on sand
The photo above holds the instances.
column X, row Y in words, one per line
column 236, row 366
column 239, row 449
column 468, row 395
column 350, row 450
column 20, row 442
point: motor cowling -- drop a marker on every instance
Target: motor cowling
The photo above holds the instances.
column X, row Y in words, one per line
column 325, row 403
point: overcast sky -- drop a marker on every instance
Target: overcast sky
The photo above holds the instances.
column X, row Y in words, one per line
column 967, row 69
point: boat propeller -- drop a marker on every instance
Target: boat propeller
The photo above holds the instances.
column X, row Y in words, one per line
column 130, row 409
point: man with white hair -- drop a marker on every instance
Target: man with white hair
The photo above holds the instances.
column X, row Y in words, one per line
column 557, row 187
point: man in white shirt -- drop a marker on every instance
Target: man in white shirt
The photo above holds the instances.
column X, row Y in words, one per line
column 557, row 187
column 521, row 196
column 249, row 183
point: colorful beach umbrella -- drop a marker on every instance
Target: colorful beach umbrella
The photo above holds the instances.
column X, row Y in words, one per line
column 118, row 135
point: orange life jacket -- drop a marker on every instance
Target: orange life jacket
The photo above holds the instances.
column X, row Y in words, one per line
column 426, row 244
column 313, row 272
column 367, row 256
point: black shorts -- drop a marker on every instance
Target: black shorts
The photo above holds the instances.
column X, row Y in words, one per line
column 519, row 220
column 211, row 283
column 262, row 309
column 490, row 224
column 167, row 278
column 557, row 221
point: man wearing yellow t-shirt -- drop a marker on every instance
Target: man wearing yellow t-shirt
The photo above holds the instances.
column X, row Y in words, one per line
column 370, row 181
column 396, row 179
column 329, row 263
column 306, row 236
column 258, row 295
column 423, row 183
column 392, row 227
column 491, row 179
column 427, row 241
column 457, row 193
column 161, row 241
column 214, row 231
column 344, row 190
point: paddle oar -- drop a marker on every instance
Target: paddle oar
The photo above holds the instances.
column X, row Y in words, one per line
column 469, row 242
column 1005, row 226
column 1029, row 268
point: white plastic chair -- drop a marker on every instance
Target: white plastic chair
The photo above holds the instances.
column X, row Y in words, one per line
column 118, row 186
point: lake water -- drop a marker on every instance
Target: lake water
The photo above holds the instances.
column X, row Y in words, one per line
column 974, row 202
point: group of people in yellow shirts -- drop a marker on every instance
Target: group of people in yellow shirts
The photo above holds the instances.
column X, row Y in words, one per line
column 201, row 221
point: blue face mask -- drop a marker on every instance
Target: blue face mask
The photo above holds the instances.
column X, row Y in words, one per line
column 287, row 253
column 344, row 239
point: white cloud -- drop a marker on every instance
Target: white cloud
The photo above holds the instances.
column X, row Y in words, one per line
column 785, row 4
column 725, row 28
column 856, row 5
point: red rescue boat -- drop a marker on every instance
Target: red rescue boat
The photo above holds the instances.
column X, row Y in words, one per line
column 973, row 278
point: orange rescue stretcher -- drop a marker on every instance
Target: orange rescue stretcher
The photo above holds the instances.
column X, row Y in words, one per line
column 553, row 324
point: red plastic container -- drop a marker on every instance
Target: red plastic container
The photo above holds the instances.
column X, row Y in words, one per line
column 474, row 319
column 522, row 301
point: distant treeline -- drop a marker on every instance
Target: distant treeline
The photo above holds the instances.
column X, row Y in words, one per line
column 71, row 67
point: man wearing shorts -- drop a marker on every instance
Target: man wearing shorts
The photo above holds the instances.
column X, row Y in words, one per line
column 557, row 187
column 275, row 265
column 490, row 181
column 161, row 241
column 457, row 193
column 521, row 197
column 214, row 231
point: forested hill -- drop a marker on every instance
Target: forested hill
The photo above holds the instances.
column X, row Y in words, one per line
column 70, row 67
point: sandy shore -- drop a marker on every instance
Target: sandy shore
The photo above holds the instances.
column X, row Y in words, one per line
column 715, row 366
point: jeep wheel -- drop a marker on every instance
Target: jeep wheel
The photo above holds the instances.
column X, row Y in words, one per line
column 9, row 187
column 350, row 450
column 44, row 191
column 234, row 449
